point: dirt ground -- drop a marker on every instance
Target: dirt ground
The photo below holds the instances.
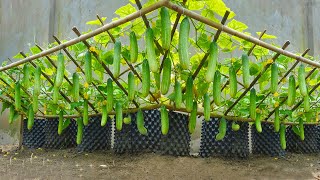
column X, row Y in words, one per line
column 68, row 164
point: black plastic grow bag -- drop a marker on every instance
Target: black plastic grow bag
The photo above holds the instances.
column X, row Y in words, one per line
column 34, row 138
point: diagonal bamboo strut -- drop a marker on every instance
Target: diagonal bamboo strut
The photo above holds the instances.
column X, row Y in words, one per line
column 66, row 78
column 50, row 81
column 128, row 62
column 75, row 30
column 287, row 73
column 255, row 79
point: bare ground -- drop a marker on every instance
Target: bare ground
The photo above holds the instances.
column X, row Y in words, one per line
column 68, row 164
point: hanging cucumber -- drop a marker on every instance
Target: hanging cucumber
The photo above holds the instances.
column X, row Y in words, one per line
column 109, row 95
column 104, row 117
column 127, row 120
column 206, row 107
column 79, row 131
column 193, row 117
column 291, row 90
column 145, row 78
column 151, row 52
column 306, row 103
column 17, row 96
column 35, row 103
column 157, row 79
column 177, row 94
column 222, row 129
column 30, row 117
column 233, row 82
column 274, row 78
column 301, row 129
column 119, row 118
column 257, row 123
column 165, row 28
column 276, row 123
column 131, row 86
column 133, row 47
column 88, row 67
column 252, row 103
column 235, row 126
column 217, row 88
column 302, row 80
column 140, row 123
column 283, row 136
column 116, row 59
column 60, row 124
column 164, row 120
column 183, row 44
column 26, row 76
column 76, row 87
column 11, row 114
column 166, row 76
column 85, row 112
column 189, row 94
column 60, row 71
column 212, row 61
column 55, row 96
column 245, row 70
column 37, row 81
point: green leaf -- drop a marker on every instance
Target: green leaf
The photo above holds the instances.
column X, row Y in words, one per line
column 18, row 56
column 203, row 41
column 195, row 5
column 5, row 105
column 219, row 7
column 237, row 25
column 102, row 38
column 267, row 36
column 75, row 104
column 96, row 22
column 66, row 123
column 125, row 10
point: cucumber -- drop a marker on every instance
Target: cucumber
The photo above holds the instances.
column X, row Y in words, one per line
column 88, row 67
column 76, row 87
column 222, row 129
column 306, row 103
column 189, row 94
column 131, row 86
column 104, row 117
column 183, row 44
column 301, row 129
column 245, row 70
column 165, row 28
column 212, row 61
column 37, row 81
column 257, row 123
column 55, row 96
column 308, row 116
column 26, row 76
column 217, row 88
column 116, row 59
column 252, row 103
column 30, row 118
column 127, row 120
column 166, row 76
column 177, row 94
column 85, row 113
column 35, row 103
column 60, row 124
column 140, row 123
column 109, row 95
column 235, row 126
column 276, row 123
column 60, row 71
column 133, row 48
column 274, row 78
column 164, row 120
column 302, row 80
column 291, row 90
column 11, row 114
column 151, row 52
column 145, row 78
column 17, row 96
column 79, row 131
column 119, row 118
column 233, row 82
column 206, row 107
column 157, row 80
column 193, row 118
column 283, row 136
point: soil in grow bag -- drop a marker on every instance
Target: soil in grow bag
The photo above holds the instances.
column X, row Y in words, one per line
column 96, row 137
column 177, row 141
column 234, row 144
column 131, row 141
column 56, row 141
column 308, row 145
column 34, row 138
column 267, row 142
